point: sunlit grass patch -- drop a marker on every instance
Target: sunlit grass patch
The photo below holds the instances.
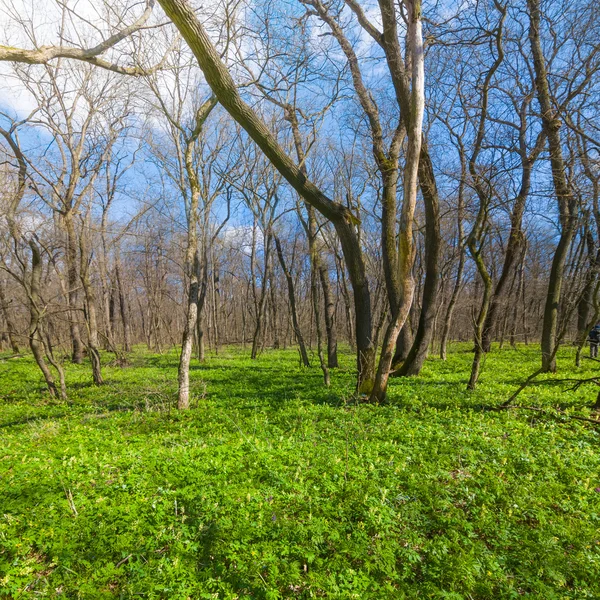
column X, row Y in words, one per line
column 272, row 486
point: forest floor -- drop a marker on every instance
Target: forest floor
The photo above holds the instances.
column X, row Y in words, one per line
column 272, row 486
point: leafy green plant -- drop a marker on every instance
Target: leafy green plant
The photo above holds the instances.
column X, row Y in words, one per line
column 273, row 486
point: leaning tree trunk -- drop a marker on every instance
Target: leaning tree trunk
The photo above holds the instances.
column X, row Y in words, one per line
column 553, row 295
column 292, row 301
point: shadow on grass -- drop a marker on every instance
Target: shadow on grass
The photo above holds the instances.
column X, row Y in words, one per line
column 26, row 420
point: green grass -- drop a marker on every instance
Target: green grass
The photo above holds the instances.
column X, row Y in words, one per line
column 273, row 487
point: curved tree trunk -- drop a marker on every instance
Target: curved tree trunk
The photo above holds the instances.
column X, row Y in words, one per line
column 483, row 189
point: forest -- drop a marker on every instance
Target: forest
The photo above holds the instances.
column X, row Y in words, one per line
column 300, row 299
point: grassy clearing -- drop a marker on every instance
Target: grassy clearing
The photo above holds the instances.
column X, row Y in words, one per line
column 272, row 486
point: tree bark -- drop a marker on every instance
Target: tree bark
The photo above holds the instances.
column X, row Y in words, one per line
column 406, row 248
column 566, row 202
column 516, row 238
column 192, row 265
column 183, row 374
column 10, row 328
column 483, row 189
column 329, row 313
column 292, row 301
column 433, row 241
column 36, row 337
column 73, row 284
column 311, row 231
column 91, row 315
column 123, row 310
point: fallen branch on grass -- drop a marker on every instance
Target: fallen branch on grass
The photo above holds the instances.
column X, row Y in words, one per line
column 547, row 412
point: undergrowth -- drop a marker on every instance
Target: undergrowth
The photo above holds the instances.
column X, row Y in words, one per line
column 272, row 486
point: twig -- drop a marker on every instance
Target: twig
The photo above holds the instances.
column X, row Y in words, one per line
column 122, row 562
column 69, row 497
column 508, row 402
column 562, row 413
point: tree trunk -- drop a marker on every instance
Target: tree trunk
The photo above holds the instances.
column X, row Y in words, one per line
column 92, row 323
column 332, row 358
column 485, row 302
column 261, row 303
column 406, row 247
column 123, row 311
column 10, row 328
column 183, row 374
column 73, row 283
column 292, row 301
column 216, row 295
column 36, row 338
column 452, row 304
column 347, row 302
column 404, row 343
column 274, row 312
column 433, row 240
column 516, row 237
column 314, row 288
column 566, row 202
